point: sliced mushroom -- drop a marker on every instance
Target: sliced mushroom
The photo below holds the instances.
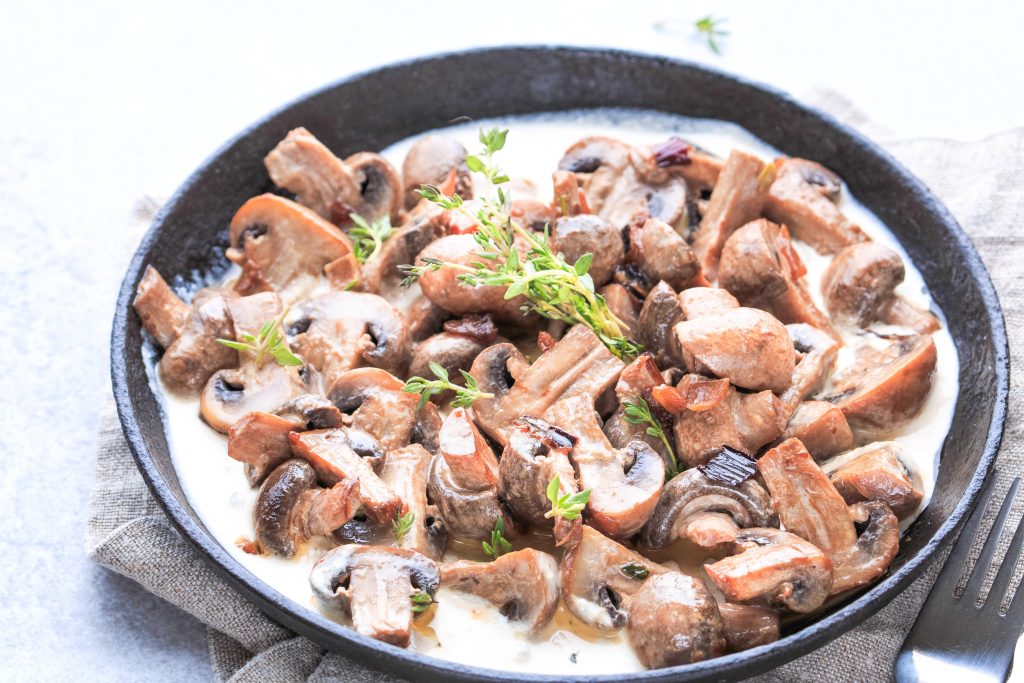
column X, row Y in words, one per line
column 859, row 288
column 340, row 454
column 290, row 508
column 775, row 569
column 821, row 428
column 877, row 471
column 885, row 387
column 698, row 167
column 422, row 227
column 162, row 313
column 810, row 507
column 701, row 302
column 707, row 512
column 746, row 626
column 195, row 355
column 638, row 380
column 624, row 484
column 803, row 198
column 432, row 160
column 615, row 182
column 674, row 620
column 405, row 473
column 746, row 345
column 761, row 268
column 377, row 404
column 737, row 199
column 658, row 317
column 578, row 364
column 523, row 585
column 445, row 289
column 284, row 245
column 255, row 386
column 536, row 453
column 374, row 585
column 338, row 331
column 710, row 414
column 817, row 357
column 575, row 236
column 600, row 577
column 662, row 254
column 363, row 183
column 463, row 481
column 424, row 318
column 451, row 351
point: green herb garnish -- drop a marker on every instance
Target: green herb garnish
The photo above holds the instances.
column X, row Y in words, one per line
column 368, row 238
column 568, row 506
column 555, row 288
column 464, row 396
column 401, row 525
column 269, row 341
column 421, row 601
column 635, row 571
column 711, row 29
column 638, row 412
column 499, row 545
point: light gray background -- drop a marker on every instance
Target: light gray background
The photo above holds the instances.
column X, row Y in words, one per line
column 105, row 108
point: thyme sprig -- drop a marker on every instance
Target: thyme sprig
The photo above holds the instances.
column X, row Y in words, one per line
column 269, row 341
column 566, row 506
column 711, row 29
column 421, row 601
column 638, row 412
column 368, row 238
column 523, row 261
column 464, row 396
column 499, row 545
column 402, row 524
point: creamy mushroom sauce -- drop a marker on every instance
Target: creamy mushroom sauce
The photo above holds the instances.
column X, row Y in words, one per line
column 466, row 628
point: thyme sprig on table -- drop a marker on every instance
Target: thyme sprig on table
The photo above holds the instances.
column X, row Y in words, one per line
column 368, row 237
column 523, row 261
column 464, row 396
column 638, row 412
column 499, row 545
column 711, row 29
column 269, row 341
column 566, row 506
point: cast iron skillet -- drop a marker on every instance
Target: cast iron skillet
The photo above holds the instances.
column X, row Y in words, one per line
column 375, row 109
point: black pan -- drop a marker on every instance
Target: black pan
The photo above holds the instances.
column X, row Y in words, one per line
column 375, row 109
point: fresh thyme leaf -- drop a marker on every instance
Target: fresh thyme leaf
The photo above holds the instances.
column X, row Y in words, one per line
column 638, row 411
column 421, row 601
column 368, row 238
column 434, row 194
column 464, row 396
column 635, row 571
column 401, row 525
column 269, row 341
column 568, row 506
column 499, row 545
column 711, row 29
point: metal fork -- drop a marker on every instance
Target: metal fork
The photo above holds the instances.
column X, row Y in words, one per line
column 953, row 639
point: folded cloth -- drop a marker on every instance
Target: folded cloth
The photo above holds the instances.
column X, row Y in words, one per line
column 127, row 532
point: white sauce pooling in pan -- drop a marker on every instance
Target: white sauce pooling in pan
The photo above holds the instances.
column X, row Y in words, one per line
column 465, row 628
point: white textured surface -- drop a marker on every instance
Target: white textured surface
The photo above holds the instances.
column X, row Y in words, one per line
column 104, row 105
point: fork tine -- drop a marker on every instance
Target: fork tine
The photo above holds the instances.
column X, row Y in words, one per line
column 973, row 587
column 954, row 567
column 1006, row 569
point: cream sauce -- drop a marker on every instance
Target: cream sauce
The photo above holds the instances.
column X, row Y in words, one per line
column 465, row 628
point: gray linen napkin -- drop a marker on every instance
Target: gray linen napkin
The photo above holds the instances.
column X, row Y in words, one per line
column 979, row 181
